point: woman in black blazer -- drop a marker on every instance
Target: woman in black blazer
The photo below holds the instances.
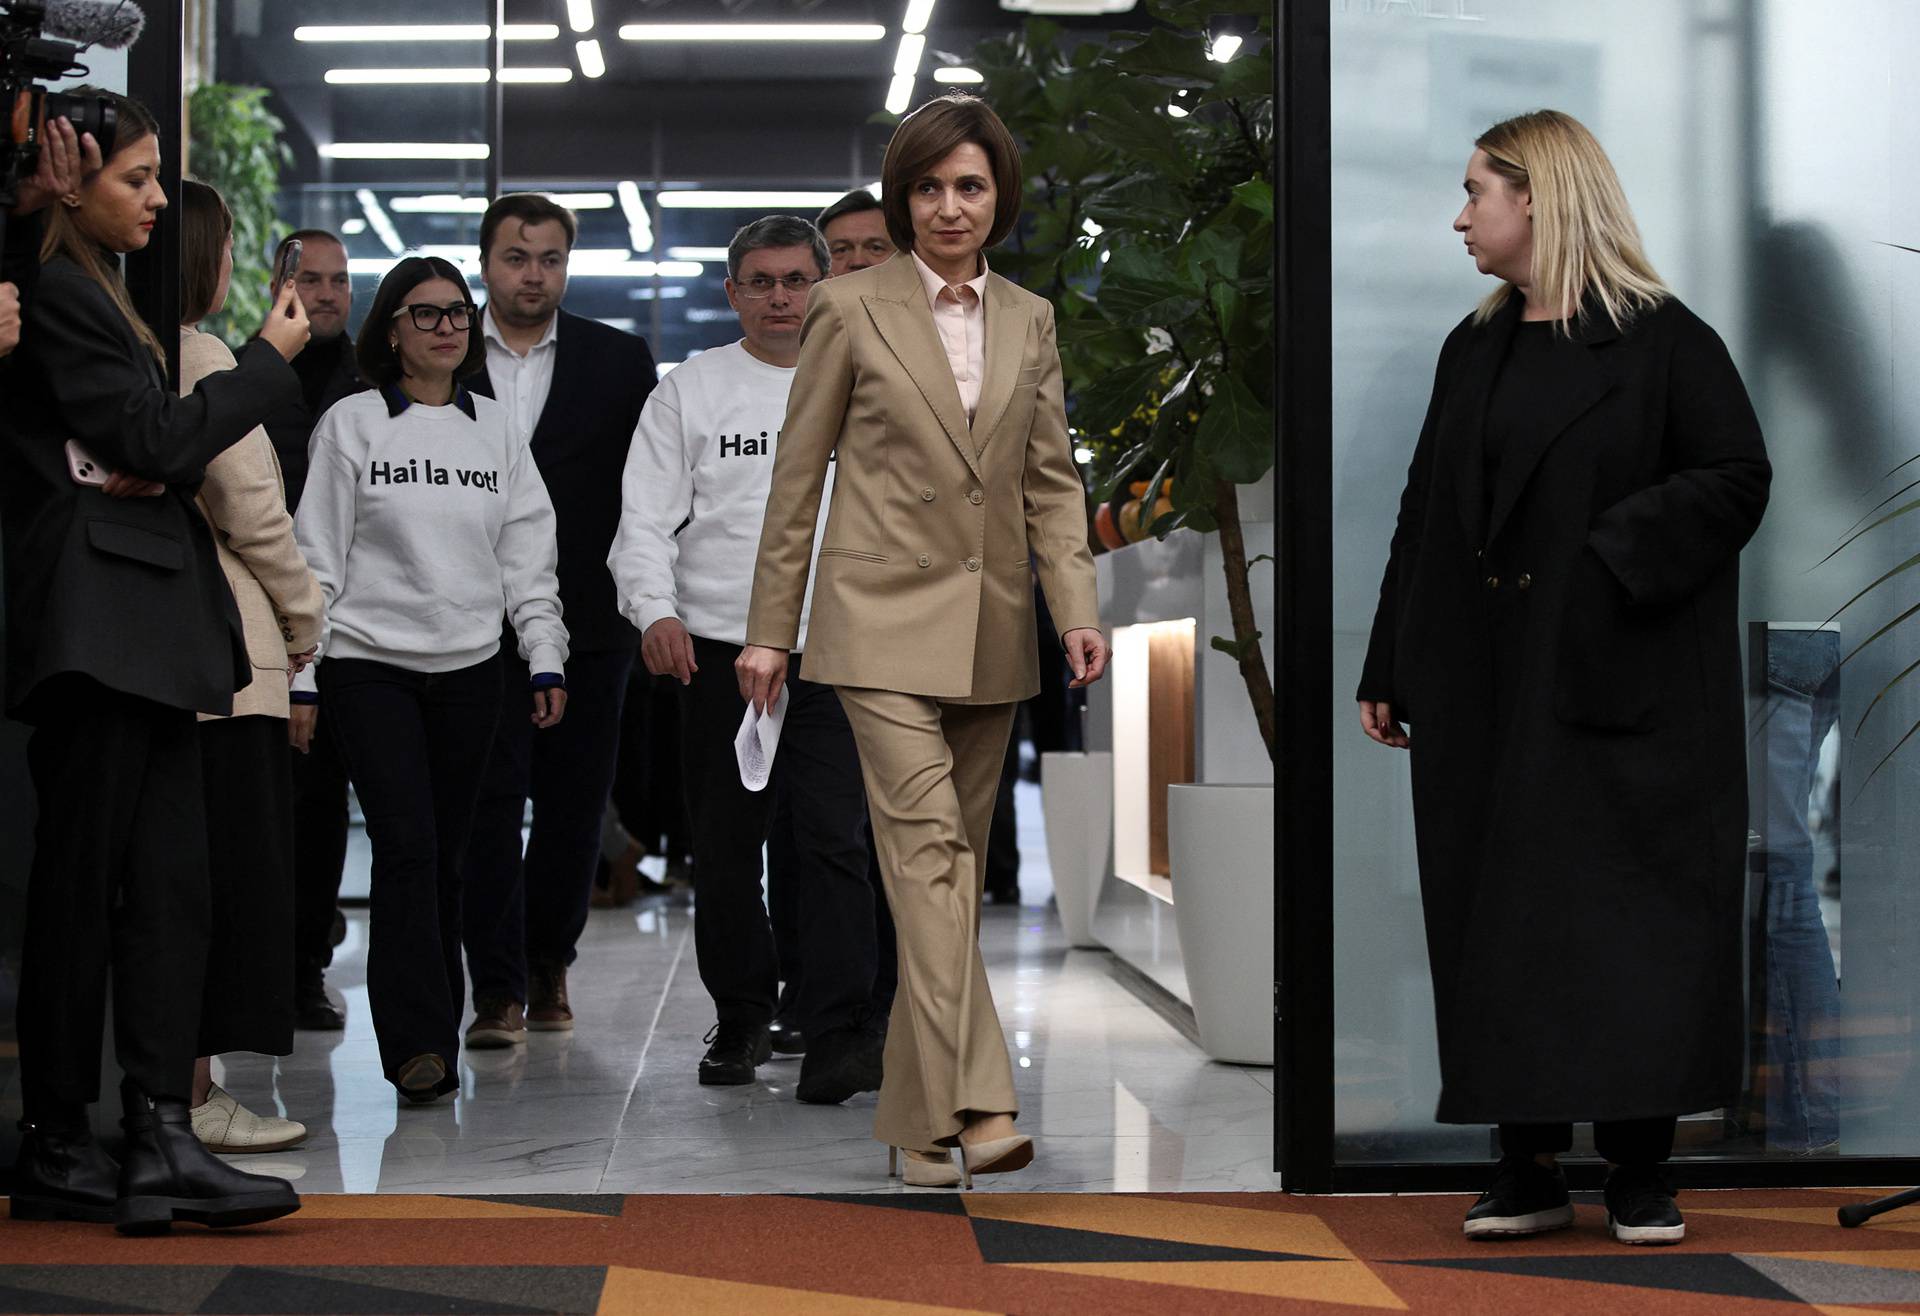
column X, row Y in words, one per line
column 120, row 627
column 1558, row 625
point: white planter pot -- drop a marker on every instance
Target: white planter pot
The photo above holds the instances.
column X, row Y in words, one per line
column 1076, row 800
column 1220, row 848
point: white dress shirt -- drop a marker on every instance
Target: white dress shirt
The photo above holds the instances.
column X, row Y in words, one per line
column 520, row 383
column 961, row 317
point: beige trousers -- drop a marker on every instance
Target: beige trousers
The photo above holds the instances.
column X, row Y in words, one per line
column 931, row 770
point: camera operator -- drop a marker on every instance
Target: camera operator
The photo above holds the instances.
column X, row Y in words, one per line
column 63, row 158
column 121, row 627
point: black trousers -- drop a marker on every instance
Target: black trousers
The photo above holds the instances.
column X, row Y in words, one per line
column 1003, row 842
column 415, row 745
column 320, row 845
column 817, row 765
column 247, row 1004
column 647, row 792
column 119, row 881
column 786, row 884
column 1624, row 1142
column 534, row 907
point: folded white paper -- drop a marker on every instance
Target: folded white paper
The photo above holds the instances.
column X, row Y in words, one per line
column 756, row 741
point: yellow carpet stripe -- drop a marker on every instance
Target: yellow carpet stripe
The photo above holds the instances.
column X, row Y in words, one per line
column 630, row 1292
column 1350, row 1283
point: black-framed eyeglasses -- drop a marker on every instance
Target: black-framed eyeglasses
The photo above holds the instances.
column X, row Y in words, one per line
column 427, row 316
column 762, row 285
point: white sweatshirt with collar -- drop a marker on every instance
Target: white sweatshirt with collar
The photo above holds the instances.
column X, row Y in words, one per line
column 695, row 493
column 423, row 525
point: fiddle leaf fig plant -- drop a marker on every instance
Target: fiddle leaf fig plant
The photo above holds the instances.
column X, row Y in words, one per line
column 1150, row 204
column 235, row 146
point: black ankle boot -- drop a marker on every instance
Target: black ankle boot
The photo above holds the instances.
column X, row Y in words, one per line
column 166, row 1175
column 61, row 1173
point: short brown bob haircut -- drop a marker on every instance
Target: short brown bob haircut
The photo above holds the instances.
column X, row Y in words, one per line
column 379, row 359
column 205, row 226
column 929, row 135
column 528, row 208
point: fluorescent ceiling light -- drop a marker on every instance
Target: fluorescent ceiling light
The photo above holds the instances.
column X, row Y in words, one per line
column 900, row 94
column 592, row 62
column 1177, row 111
column 1225, row 47
column 377, row 266
column 425, row 32
column 447, row 203
column 544, row 75
column 958, row 74
column 703, row 199
column 912, row 46
column 919, row 13
column 580, row 15
column 369, row 77
column 671, row 292
column 1069, row 8
column 382, row 226
column 639, row 221
column 697, row 253
column 637, row 269
column 353, row 226
column 752, row 32
column 405, row 150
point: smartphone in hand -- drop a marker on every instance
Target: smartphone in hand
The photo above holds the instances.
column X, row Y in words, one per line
column 289, row 266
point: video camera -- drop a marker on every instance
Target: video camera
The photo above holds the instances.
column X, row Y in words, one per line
column 44, row 39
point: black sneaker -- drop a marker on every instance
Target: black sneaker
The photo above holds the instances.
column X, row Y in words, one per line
column 839, row 1063
column 735, row 1050
column 787, row 1040
column 1640, row 1207
column 1526, row 1198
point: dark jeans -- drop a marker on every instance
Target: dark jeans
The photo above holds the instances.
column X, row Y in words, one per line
column 533, row 909
column 817, row 765
column 319, row 846
column 248, row 1004
column 1624, row 1142
column 416, row 745
column 119, row 881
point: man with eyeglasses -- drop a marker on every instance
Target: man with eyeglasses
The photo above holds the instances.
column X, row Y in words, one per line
column 573, row 389
column 693, row 498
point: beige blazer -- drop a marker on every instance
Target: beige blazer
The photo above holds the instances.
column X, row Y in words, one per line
column 245, row 501
column 923, row 581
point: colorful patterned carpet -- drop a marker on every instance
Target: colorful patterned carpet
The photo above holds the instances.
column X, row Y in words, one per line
column 1030, row 1254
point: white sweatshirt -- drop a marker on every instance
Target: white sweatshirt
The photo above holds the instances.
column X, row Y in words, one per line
column 421, row 528
column 695, row 492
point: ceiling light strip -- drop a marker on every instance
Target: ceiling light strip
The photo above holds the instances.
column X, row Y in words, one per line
column 958, row 74
column 404, row 32
column 593, row 62
column 405, row 150
column 705, row 199
column 752, row 32
column 919, row 14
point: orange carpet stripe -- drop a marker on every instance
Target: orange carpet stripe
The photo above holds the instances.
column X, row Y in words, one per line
column 1347, row 1283
column 631, row 1292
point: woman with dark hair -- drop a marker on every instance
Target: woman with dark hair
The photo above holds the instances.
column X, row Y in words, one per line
column 120, row 628
column 938, row 384
column 423, row 517
column 247, row 1004
column 1558, row 624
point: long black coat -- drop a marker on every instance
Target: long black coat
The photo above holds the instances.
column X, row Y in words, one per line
column 1564, row 649
column 601, row 380
column 125, row 590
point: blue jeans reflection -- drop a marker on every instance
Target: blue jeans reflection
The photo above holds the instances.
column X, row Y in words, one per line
column 1803, row 996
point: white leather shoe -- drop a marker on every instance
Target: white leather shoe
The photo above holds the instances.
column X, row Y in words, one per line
column 224, row 1125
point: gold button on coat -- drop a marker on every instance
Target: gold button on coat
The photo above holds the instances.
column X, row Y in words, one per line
column 925, row 561
column 973, row 564
column 926, row 495
column 976, row 498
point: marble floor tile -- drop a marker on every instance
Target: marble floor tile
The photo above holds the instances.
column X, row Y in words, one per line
column 1117, row 1095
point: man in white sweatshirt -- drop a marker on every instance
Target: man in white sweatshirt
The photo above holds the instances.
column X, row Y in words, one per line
column 693, row 498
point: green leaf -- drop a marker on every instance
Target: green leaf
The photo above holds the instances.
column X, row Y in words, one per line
column 1249, row 77
column 1256, row 194
column 1214, row 253
column 1170, row 58
column 1140, row 134
column 1116, row 395
column 1140, row 201
column 1142, row 286
column 1235, row 434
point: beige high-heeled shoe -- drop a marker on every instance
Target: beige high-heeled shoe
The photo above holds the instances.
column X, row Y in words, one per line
column 996, row 1156
column 922, row 1174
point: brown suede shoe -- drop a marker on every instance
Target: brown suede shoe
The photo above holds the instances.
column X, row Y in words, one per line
column 548, row 1011
column 497, row 1024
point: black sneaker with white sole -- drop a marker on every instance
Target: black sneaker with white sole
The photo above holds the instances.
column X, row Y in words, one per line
column 735, row 1052
column 1526, row 1198
column 1640, row 1207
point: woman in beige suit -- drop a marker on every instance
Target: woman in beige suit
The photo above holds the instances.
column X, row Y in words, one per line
column 936, row 383
column 248, row 998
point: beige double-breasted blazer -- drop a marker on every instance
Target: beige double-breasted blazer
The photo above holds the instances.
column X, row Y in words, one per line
column 922, row 584
column 245, row 501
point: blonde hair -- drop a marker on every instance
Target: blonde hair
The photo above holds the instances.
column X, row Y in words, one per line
column 1586, row 247
column 64, row 238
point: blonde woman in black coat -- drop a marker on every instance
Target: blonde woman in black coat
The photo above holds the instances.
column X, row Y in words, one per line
column 1558, row 627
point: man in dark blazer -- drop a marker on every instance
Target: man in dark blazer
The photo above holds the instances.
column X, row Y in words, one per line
column 328, row 373
column 575, row 388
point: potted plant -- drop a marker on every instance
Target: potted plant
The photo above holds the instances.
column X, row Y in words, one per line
column 234, row 145
column 1149, row 160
